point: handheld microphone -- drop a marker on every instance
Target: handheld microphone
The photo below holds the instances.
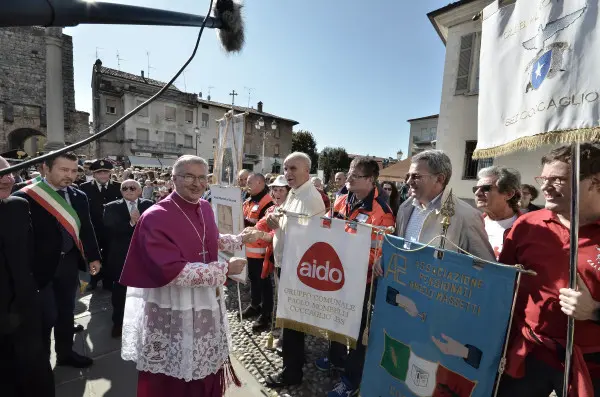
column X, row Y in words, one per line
column 231, row 34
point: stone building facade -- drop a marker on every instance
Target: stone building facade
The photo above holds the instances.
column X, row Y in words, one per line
column 177, row 123
column 23, row 111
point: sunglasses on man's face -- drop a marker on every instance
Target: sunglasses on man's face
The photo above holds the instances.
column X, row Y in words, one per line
column 483, row 188
column 125, row 188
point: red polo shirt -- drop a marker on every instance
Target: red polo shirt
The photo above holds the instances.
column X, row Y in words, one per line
column 538, row 241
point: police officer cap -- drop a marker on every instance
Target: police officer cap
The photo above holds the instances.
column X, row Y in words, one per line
column 101, row 165
column 15, row 155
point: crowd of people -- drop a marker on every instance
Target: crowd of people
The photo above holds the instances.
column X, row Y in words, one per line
column 158, row 253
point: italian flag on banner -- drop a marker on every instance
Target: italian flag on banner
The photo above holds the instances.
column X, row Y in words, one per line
column 424, row 378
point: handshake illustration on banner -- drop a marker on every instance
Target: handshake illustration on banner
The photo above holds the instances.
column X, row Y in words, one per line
column 394, row 298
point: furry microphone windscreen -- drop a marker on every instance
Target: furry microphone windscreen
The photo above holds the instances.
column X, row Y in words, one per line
column 231, row 35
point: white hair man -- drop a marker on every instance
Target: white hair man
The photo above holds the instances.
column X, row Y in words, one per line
column 176, row 295
column 304, row 198
column 120, row 218
column 497, row 194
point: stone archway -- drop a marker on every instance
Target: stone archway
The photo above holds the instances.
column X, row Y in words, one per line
column 28, row 139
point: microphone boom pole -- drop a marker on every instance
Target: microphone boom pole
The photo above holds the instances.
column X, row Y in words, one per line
column 64, row 13
column 228, row 19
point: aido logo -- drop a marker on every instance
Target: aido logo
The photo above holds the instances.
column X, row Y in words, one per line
column 320, row 268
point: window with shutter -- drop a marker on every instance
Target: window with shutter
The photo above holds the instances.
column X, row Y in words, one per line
column 170, row 113
column 142, row 135
column 276, row 150
column 189, row 116
column 188, row 141
column 205, row 120
column 465, row 61
column 144, row 111
column 170, row 138
column 111, row 106
column 473, row 166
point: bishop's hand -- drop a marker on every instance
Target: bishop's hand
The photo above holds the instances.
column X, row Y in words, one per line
column 236, row 265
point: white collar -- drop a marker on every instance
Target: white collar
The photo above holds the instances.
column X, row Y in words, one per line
column 432, row 204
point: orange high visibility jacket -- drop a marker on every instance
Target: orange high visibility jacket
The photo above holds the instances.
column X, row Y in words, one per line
column 254, row 209
column 373, row 210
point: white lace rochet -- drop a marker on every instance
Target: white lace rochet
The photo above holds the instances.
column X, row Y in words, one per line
column 180, row 330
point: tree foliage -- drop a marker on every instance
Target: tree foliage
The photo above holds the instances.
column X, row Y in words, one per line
column 332, row 160
column 304, row 141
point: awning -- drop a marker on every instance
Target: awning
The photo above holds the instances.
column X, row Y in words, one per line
column 139, row 161
column 167, row 162
column 396, row 172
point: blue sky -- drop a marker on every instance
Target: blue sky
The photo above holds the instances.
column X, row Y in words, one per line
column 350, row 72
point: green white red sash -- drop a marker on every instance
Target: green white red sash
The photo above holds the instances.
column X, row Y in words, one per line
column 34, row 180
column 58, row 207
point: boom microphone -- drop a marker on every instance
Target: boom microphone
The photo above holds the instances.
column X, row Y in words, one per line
column 231, row 33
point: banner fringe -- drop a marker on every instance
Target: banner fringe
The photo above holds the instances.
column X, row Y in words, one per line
column 315, row 331
column 533, row 142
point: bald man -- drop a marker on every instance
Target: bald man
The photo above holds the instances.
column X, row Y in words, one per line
column 340, row 184
column 25, row 368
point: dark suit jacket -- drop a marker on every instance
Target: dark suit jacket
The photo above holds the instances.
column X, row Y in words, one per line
column 119, row 231
column 18, row 289
column 18, row 186
column 97, row 202
column 48, row 238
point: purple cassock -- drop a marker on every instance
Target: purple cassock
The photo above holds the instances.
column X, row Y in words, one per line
column 175, row 327
column 164, row 242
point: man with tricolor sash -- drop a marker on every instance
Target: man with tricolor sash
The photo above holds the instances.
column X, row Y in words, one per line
column 64, row 241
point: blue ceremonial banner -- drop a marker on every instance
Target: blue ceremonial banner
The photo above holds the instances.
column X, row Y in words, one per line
column 439, row 325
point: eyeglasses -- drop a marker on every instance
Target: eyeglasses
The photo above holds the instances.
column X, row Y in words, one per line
column 555, row 181
column 191, row 178
column 483, row 188
column 416, row 177
column 131, row 188
column 355, row 176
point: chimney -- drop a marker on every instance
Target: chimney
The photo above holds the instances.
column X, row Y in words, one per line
column 200, row 95
column 142, row 74
column 259, row 107
column 208, row 98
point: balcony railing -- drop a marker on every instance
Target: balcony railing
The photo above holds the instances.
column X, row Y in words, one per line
column 161, row 147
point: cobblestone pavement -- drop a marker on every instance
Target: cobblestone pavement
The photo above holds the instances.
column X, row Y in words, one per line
column 250, row 349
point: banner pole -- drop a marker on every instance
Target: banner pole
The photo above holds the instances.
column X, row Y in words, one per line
column 510, row 321
column 573, row 257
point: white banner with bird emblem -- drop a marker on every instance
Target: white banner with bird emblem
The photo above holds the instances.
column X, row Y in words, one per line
column 539, row 80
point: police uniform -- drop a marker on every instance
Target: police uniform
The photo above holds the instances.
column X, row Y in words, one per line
column 99, row 195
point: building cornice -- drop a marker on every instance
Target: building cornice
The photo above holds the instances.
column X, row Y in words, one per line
column 455, row 14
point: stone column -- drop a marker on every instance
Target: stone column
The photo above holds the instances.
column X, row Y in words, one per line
column 55, row 114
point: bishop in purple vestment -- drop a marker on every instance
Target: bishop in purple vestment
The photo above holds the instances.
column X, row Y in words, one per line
column 175, row 326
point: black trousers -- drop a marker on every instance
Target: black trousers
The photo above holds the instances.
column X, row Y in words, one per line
column 58, row 304
column 354, row 361
column 539, row 381
column 24, row 366
column 261, row 290
column 118, row 303
column 293, row 354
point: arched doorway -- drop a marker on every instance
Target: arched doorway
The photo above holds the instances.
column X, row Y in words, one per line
column 28, row 139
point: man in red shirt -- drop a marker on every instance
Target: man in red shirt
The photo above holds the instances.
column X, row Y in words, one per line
column 540, row 241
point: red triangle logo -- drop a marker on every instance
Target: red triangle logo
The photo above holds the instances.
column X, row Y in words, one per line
column 321, row 268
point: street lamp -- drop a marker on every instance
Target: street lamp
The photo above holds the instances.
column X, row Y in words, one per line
column 260, row 125
column 197, row 132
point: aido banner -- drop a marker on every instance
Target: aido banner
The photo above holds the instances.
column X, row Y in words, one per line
column 439, row 325
column 323, row 279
